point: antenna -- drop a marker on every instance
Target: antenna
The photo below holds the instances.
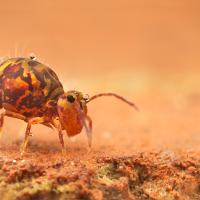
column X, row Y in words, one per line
column 115, row 95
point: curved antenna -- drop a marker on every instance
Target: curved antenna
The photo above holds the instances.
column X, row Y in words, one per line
column 115, row 95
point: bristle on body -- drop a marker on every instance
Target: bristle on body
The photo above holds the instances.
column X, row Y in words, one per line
column 115, row 95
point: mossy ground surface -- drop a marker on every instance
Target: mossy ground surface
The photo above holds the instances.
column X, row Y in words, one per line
column 160, row 175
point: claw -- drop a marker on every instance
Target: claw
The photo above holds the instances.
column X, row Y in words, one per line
column 21, row 153
column 23, row 147
column 64, row 151
column 89, row 136
column 89, row 149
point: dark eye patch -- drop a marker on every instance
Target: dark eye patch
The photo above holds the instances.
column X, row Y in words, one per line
column 70, row 98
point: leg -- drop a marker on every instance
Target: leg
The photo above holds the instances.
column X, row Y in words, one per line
column 36, row 120
column 89, row 132
column 1, row 123
column 25, row 142
column 9, row 114
column 14, row 115
column 58, row 126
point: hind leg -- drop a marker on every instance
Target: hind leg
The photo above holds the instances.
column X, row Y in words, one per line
column 2, row 114
column 9, row 114
column 1, row 123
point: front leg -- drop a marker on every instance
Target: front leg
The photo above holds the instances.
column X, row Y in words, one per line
column 58, row 126
column 35, row 120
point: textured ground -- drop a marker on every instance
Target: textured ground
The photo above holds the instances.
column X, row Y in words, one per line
column 145, row 175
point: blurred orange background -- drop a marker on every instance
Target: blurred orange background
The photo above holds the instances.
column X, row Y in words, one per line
column 139, row 48
column 103, row 37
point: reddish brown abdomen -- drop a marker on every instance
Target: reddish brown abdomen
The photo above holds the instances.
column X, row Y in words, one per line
column 27, row 85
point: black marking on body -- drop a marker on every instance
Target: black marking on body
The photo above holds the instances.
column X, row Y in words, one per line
column 12, row 97
column 32, row 102
column 27, row 80
column 33, row 63
column 48, row 73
